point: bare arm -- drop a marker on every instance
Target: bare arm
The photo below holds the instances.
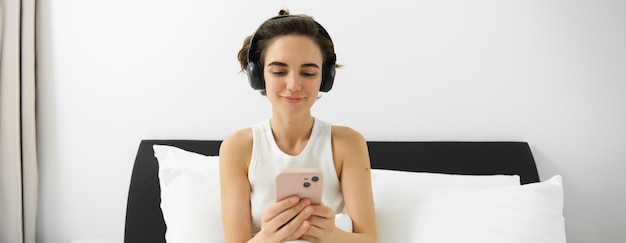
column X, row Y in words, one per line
column 351, row 153
column 235, row 189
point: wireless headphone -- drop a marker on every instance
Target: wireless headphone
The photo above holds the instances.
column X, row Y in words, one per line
column 255, row 70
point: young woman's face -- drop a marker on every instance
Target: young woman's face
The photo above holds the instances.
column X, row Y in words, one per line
column 292, row 72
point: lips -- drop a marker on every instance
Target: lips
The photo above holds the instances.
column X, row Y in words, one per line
column 292, row 99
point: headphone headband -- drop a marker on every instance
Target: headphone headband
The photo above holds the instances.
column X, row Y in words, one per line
column 255, row 70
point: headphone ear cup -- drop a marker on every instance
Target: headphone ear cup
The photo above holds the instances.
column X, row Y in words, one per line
column 255, row 76
column 328, row 77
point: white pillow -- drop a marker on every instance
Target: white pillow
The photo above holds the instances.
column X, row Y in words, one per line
column 397, row 192
column 517, row 214
column 190, row 195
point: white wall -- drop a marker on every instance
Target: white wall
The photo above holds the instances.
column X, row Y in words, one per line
column 552, row 73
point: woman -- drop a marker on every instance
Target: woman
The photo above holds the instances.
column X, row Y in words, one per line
column 290, row 59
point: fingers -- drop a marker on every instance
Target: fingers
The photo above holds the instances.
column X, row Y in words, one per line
column 322, row 230
column 301, row 223
column 278, row 207
column 297, row 225
column 292, row 219
column 323, row 211
column 286, row 219
column 322, row 223
column 311, row 234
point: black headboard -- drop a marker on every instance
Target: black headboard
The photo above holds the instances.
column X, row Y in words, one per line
column 144, row 219
column 469, row 158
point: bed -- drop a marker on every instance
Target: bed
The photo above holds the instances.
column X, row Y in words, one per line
column 414, row 187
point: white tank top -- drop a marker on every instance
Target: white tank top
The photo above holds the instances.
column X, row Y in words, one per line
column 267, row 159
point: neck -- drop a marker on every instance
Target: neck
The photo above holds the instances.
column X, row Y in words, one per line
column 292, row 133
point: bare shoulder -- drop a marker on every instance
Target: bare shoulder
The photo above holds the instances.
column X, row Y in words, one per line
column 237, row 147
column 238, row 140
column 349, row 150
column 346, row 136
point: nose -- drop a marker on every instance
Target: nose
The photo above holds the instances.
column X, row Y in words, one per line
column 293, row 82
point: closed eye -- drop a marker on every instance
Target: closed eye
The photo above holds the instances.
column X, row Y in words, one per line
column 278, row 73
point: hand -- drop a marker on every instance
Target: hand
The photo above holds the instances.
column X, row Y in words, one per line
column 322, row 225
column 285, row 220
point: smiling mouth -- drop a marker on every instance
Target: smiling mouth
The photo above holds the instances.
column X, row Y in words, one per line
column 289, row 99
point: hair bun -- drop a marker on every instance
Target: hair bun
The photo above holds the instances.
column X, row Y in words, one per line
column 283, row 11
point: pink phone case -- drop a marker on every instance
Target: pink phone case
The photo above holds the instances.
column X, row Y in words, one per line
column 303, row 182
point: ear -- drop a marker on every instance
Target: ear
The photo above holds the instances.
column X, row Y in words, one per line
column 328, row 77
column 255, row 76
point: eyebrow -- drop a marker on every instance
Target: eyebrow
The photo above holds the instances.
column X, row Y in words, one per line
column 285, row 65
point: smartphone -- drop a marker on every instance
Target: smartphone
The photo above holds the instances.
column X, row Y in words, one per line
column 302, row 182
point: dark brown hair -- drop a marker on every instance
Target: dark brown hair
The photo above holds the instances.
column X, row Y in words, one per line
column 294, row 25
